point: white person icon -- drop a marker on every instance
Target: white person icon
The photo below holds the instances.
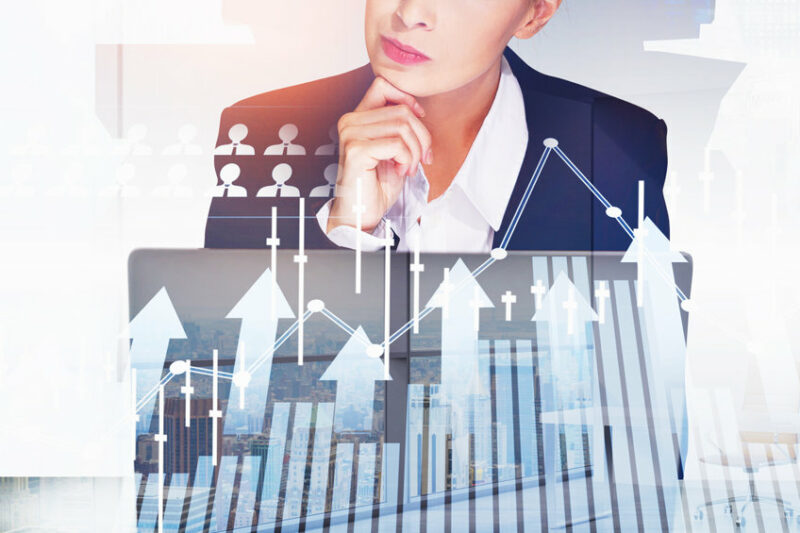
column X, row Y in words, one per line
column 174, row 187
column 327, row 189
column 185, row 145
column 281, row 174
column 133, row 143
column 122, row 187
column 236, row 134
column 287, row 134
column 333, row 147
column 228, row 174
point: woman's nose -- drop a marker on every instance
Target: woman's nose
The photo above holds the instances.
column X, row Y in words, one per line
column 416, row 13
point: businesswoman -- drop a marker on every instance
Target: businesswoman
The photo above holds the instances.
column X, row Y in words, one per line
column 439, row 138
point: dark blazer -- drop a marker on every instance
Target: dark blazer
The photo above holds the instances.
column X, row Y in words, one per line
column 614, row 143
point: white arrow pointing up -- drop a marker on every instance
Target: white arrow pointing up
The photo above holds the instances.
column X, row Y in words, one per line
column 563, row 319
column 462, row 296
column 248, row 393
column 666, row 343
column 565, row 307
column 565, row 313
column 355, row 373
column 662, row 311
column 151, row 330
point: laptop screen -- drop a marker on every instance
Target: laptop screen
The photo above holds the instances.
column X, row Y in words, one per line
column 281, row 405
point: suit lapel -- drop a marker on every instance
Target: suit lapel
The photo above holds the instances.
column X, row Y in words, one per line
column 558, row 213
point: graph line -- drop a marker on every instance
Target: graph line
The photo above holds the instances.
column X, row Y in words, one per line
column 147, row 397
column 528, row 190
column 278, row 343
column 589, row 185
column 551, row 145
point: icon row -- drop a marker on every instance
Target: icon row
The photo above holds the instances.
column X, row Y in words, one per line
column 287, row 134
column 281, row 174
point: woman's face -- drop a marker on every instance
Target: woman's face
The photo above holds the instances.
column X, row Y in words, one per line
column 427, row 47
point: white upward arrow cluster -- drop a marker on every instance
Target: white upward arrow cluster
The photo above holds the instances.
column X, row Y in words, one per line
column 467, row 298
column 563, row 311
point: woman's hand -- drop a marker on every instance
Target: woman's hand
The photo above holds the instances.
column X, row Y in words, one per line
column 382, row 141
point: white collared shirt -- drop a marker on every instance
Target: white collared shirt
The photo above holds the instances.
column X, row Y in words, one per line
column 465, row 217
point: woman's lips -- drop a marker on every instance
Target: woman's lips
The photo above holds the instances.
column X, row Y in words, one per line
column 401, row 53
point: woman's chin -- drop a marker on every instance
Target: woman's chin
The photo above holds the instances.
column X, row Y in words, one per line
column 414, row 83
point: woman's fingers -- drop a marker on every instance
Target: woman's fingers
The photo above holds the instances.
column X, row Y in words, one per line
column 395, row 113
column 381, row 93
column 366, row 154
column 364, row 158
column 379, row 130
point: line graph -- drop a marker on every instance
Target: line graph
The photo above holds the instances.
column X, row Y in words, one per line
column 550, row 145
column 307, row 309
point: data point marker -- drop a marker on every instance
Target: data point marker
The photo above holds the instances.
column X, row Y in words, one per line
column 374, row 350
column 315, row 306
column 614, row 212
column 499, row 254
column 241, row 379
column 178, row 367
column 550, row 142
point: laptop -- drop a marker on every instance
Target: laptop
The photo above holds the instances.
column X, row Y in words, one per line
column 525, row 387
